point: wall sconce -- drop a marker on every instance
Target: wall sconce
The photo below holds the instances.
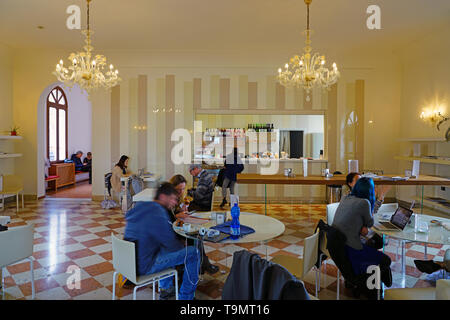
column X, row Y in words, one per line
column 435, row 117
column 139, row 128
column 166, row 110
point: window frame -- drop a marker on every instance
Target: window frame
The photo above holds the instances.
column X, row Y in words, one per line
column 58, row 107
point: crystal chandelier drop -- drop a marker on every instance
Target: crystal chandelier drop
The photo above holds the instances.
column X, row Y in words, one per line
column 85, row 69
column 309, row 70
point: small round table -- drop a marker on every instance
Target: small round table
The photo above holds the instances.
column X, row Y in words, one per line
column 266, row 228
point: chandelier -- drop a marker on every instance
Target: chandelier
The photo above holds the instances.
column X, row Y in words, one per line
column 309, row 70
column 85, row 69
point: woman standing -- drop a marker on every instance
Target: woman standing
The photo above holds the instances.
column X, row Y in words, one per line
column 233, row 166
column 120, row 170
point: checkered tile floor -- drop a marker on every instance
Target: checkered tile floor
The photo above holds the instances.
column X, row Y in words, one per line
column 70, row 232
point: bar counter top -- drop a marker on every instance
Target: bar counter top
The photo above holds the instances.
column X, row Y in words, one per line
column 249, row 178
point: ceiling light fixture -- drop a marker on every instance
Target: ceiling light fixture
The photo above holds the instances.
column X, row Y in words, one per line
column 309, row 70
column 85, row 69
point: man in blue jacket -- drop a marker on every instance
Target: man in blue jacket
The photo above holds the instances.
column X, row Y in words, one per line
column 157, row 247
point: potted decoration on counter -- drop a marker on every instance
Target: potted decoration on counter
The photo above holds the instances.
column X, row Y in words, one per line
column 14, row 131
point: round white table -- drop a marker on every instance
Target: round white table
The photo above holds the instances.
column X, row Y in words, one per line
column 436, row 234
column 266, row 228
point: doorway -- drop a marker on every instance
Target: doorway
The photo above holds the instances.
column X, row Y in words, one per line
column 65, row 139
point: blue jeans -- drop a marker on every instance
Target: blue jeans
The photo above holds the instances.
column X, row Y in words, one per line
column 166, row 260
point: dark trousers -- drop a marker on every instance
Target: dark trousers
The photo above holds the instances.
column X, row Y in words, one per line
column 87, row 168
column 195, row 206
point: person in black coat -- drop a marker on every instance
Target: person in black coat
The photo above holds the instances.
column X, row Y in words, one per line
column 233, row 166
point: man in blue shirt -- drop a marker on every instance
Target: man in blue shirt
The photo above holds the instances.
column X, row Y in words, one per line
column 157, row 247
column 80, row 166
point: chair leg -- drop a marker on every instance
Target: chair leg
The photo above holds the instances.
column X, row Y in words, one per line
column 17, row 201
column 3, row 283
column 134, row 292
column 338, row 280
column 176, row 285
column 317, row 273
column 114, row 286
column 153, row 288
column 425, row 249
column 23, row 203
column 33, row 293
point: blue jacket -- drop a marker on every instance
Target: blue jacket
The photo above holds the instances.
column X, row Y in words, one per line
column 77, row 162
column 148, row 226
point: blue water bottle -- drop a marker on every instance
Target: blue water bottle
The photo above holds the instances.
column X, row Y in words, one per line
column 235, row 224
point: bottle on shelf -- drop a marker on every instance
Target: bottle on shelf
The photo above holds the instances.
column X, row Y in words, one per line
column 235, row 226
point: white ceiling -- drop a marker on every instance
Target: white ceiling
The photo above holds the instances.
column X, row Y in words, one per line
column 212, row 25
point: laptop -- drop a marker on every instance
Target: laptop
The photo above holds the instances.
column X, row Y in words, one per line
column 398, row 221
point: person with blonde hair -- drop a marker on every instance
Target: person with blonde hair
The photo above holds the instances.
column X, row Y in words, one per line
column 179, row 183
column 180, row 211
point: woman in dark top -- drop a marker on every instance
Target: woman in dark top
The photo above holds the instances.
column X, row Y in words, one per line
column 233, row 166
column 353, row 217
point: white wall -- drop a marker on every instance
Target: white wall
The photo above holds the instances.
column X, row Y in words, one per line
column 80, row 121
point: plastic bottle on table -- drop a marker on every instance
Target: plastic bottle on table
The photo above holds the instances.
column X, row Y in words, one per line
column 235, row 224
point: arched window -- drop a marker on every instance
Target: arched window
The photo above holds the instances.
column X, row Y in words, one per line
column 56, row 125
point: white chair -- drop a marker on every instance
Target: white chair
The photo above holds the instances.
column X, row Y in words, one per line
column 16, row 244
column 299, row 267
column 331, row 211
column 440, row 292
column 124, row 262
column 12, row 186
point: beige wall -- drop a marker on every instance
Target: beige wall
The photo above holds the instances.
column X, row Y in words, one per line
column 6, row 107
column 425, row 85
column 425, row 82
column 32, row 75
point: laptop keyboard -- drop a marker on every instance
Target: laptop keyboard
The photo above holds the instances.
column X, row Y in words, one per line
column 387, row 224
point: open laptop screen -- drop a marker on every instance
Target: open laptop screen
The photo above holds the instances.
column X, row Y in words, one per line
column 401, row 217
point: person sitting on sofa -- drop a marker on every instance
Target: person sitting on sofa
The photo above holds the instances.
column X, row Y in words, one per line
column 88, row 159
column 79, row 166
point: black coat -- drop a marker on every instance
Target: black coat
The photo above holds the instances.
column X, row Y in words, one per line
column 253, row 278
column 336, row 247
